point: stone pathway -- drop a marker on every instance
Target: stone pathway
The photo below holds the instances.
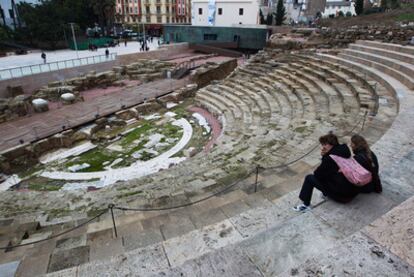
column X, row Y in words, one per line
column 39, row 126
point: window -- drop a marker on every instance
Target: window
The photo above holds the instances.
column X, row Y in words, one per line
column 158, row 9
column 168, row 9
column 148, row 19
column 130, row 10
column 200, row 11
column 210, row 37
column 147, row 10
column 220, row 11
column 240, row 11
column 136, row 10
column 159, row 19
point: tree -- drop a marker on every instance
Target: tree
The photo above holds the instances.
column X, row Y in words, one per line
column 280, row 13
column 269, row 19
column 104, row 10
column 262, row 19
column 359, row 7
column 395, row 4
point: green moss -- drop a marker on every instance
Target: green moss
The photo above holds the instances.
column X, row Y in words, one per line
column 95, row 158
column 300, row 129
column 405, row 17
column 136, row 134
column 171, row 131
column 44, row 187
column 58, row 213
column 94, row 212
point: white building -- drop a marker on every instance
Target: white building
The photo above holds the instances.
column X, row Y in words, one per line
column 224, row 13
column 6, row 7
column 334, row 7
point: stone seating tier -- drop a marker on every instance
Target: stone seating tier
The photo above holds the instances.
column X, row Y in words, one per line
column 267, row 115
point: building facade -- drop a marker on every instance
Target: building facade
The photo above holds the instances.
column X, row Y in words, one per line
column 225, row 13
column 153, row 12
column 335, row 7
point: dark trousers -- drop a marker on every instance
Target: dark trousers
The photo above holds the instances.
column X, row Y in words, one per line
column 307, row 189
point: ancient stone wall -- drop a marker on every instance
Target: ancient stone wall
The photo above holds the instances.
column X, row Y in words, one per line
column 33, row 82
column 391, row 34
column 212, row 71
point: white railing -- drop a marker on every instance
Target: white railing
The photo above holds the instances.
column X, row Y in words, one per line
column 17, row 72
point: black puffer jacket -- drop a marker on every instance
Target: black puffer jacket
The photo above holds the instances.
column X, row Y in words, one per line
column 362, row 158
column 336, row 185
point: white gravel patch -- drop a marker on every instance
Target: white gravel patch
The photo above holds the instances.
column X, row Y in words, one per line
column 202, row 122
column 65, row 153
column 171, row 105
column 152, row 116
column 153, row 140
column 77, row 167
column 83, row 185
column 170, row 114
column 137, row 169
column 11, row 181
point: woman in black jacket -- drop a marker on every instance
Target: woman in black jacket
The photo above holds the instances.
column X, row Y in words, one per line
column 365, row 157
column 327, row 177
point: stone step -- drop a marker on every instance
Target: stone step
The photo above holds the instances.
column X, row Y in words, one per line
column 398, row 65
column 407, row 58
column 388, row 46
column 233, row 101
column 405, row 79
column 385, row 98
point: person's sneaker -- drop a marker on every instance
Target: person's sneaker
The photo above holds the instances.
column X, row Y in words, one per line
column 302, row 208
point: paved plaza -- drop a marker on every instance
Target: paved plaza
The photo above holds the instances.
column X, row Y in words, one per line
column 67, row 54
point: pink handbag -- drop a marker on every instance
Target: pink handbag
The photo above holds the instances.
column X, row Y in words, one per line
column 353, row 171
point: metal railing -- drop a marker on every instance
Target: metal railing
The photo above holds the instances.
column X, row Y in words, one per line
column 21, row 71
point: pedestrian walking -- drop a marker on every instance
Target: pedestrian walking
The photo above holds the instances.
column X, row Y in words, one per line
column 107, row 53
column 43, row 57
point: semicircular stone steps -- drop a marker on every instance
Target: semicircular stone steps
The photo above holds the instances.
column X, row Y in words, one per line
column 272, row 240
column 178, row 241
column 386, row 105
column 396, row 62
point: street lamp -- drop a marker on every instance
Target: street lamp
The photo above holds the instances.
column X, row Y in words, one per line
column 74, row 38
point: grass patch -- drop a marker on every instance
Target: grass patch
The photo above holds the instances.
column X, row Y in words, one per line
column 171, row 131
column 136, row 134
column 405, row 17
column 44, row 186
column 95, row 158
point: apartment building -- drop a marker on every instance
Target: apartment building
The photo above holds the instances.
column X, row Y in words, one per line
column 153, row 12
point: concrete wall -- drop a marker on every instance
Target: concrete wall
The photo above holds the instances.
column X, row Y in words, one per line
column 33, row 82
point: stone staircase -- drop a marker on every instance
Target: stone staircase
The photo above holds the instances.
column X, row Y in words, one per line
column 241, row 232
